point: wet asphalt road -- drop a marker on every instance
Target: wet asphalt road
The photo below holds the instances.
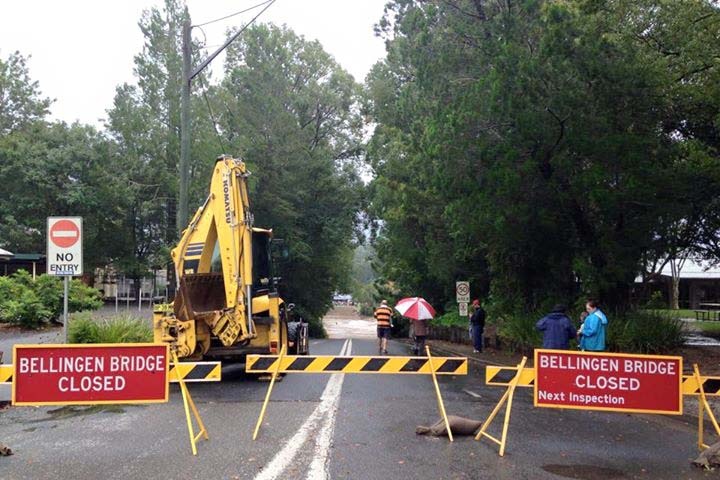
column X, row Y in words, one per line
column 351, row 427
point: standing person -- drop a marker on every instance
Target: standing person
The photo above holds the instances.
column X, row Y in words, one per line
column 383, row 316
column 593, row 329
column 557, row 329
column 583, row 316
column 477, row 321
column 419, row 335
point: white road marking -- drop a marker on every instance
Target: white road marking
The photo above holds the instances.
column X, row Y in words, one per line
column 323, row 441
column 286, row 455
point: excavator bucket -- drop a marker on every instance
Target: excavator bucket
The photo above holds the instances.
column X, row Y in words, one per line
column 200, row 295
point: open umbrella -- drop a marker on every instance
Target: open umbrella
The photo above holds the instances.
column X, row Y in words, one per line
column 416, row 308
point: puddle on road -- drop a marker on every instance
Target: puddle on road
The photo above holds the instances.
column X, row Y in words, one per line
column 73, row 412
column 584, row 472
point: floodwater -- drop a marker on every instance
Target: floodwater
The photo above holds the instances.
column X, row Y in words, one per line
column 695, row 339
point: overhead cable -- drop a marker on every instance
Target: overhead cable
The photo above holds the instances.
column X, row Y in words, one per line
column 233, row 14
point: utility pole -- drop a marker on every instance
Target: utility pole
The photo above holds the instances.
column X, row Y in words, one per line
column 182, row 212
column 187, row 76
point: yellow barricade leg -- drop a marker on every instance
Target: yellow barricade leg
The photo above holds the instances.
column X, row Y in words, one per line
column 267, row 395
column 189, row 405
column 441, row 405
column 702, row 406
column 507, row 396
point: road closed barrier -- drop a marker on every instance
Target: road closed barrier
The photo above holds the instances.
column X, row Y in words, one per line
column 356, row 364
column 277, row 364
column 92, row 374
column 653, row 384
column 608, row 381
column 89, row 374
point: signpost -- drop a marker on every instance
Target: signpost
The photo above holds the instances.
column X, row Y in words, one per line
column 64, row 254
column 462, row 292
column 90, row 374
column 608, row 381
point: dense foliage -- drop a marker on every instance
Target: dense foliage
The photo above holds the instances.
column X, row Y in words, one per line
column 84, row 328
column 31, row 303
column 283, row 104
column 543, row 150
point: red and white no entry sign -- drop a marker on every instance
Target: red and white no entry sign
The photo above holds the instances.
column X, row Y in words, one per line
column 64, row 233
column 64, row 246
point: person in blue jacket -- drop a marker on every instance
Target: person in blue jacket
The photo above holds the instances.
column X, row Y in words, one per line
column 557, row 329
column 593, row 329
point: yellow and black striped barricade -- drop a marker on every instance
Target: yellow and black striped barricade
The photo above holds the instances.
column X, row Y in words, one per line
column 356, row 364
column 277, row 364
column 6, row 374
column 178, row 372
column 695, row 385
column 195, row 372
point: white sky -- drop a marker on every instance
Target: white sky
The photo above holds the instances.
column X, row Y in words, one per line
column 82, row 49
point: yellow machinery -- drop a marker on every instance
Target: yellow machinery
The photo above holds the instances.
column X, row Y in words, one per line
column 227, row 304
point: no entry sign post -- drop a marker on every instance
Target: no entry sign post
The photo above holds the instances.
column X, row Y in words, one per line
column 64, row 254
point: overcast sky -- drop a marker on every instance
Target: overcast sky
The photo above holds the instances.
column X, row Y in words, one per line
column 82, row 49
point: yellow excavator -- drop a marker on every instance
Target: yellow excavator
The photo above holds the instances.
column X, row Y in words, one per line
column 227, row 303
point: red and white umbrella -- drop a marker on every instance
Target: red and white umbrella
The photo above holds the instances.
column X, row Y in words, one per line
column 416, row 308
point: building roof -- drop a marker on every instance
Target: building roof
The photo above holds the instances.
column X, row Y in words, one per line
column 694, row 270
column 5, row 255
column 29, row 257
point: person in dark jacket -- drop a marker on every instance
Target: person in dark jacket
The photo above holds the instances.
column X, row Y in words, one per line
column 477, row 322
column 557, row 329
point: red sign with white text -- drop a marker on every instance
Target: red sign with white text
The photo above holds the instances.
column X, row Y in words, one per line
column 608, row 381
column 90, row 374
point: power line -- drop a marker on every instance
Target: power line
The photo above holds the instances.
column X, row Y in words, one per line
column 205, row 88
column 212, row 56
column 233, row 14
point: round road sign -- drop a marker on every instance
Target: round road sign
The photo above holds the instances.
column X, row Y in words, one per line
column 463, row 288
column 64, row 233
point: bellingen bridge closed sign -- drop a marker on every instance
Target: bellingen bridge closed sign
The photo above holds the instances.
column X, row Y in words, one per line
column 608, row 381
column 90, row 374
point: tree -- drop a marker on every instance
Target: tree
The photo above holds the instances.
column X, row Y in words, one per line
column 145, row 125
column 292, row 112
column 538, row 139
column 21, row 102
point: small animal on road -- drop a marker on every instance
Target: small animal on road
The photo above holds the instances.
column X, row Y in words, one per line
column 458, row 425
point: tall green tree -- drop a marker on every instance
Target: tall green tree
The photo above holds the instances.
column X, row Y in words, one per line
column 538, row 139
column 145, row 125
column 292, row 112
column 21, row 102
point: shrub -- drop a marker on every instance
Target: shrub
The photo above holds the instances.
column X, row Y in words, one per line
column 20, row 305
column 83, row 328
column 656, row 301
column 517, row 331
column 316, row 328
column 644, row 332
column 450, row 319
column 82, row 297
column 50, row 292
column 31, row 303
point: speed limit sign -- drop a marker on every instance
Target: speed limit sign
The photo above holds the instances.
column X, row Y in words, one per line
column 462, row 292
